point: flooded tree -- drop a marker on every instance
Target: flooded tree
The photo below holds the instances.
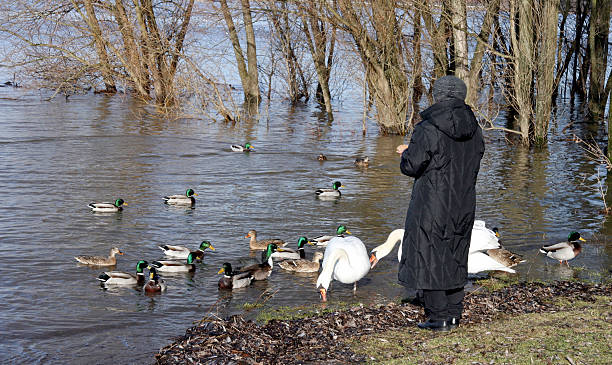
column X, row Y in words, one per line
column 247, row 67
column 598, row 43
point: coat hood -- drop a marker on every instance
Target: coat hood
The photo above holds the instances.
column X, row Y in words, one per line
column 453, row 117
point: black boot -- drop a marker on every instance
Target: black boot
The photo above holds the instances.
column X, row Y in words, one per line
column 434, row 325
column 453, row 322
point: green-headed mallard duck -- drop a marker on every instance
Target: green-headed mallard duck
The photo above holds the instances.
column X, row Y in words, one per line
column 303, row 265
column 233, row 280
column 111, row 260
column 255, row 244
column 155, row 283
column 290, row 254
column 346, row 260
column 187, row 199
column 334, row 192
column 264, row 270
column 564, row 251
column 123, row 278
column 246, row 148
column 117, row 206
column 181, row 252
column 176, row 266
column 321, row 241
column 362, row 161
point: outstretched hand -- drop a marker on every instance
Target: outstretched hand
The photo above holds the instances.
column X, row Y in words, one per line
column 401, row 148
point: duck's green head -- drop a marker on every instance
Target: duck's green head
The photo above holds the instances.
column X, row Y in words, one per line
column 189, row 193
column 342, row 230
column 337, row 185
column 302, row 241
column 270, row 250
column 120, row 202
column 141, row 265
column 226, row 268
column 575, row 236
column 191, row 258
column 206, row 244
column 248, row 146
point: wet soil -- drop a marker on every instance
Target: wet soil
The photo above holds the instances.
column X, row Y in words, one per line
column 321, row 339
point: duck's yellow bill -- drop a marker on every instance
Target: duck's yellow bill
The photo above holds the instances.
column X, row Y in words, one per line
column 211, row 247
column 348, row 232
column 221, row 271
column 582, row 239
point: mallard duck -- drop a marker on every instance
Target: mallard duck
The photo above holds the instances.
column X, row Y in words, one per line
column 322, row 157
column 123, row 278
column 246, row 148
column 564, row 251
column 289, row 254
column 117, row 206
column 187, row 199
column 176, row 266
column 322, row 241
column 255, row 244
column 362, row 161
column 334, row 192
column 233, row 280
column 181, row 252
column 303, row 265
column 479, row 262
column 111, row 260
column 264, row 270
column 346, row 260
column 155, row 283
column 505, row 257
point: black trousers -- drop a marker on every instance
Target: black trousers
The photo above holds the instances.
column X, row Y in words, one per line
column 440, row 305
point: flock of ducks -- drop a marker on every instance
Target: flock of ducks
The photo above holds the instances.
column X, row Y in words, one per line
column 345, row 258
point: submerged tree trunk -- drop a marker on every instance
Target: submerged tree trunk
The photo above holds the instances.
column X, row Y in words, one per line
column 598, row 41
column 545, row 74
column 99, row 42
column 439, row 35
column 523, row 58
column 381, row 55
column 246, row 69
column 320, row 39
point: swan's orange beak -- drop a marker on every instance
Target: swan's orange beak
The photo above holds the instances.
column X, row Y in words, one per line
column 373, row 260
column 323, row 294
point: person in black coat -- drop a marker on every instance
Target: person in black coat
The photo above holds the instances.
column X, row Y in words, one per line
column 444, row 158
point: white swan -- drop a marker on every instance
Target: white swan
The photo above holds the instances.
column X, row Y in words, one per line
column 346, row 260
column 483, row 238
column 478, row 261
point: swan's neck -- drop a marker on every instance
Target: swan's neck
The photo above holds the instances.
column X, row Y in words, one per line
column 328, row 269
column 384, row 249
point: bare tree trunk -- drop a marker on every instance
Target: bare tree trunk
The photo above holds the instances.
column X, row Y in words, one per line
column 545, row 75
column 459, row 28
column 523, row 57
column 105, row 66
column 439, row 35
column 598, row 41
column 382, row 58
column 317, row 31
column 479, row 52
column 248, row 72
column 134, row 63
column 298, row 87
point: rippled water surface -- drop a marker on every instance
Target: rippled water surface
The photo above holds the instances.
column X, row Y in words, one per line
column 58, row 156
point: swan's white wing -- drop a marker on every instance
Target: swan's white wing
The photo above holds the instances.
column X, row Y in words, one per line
column 483, row 239
column 355, row 265
column 479, row 262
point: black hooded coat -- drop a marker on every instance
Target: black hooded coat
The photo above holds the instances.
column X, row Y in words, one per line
column 444, row 158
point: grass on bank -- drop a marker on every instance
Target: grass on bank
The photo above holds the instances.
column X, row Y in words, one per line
column 579, row 333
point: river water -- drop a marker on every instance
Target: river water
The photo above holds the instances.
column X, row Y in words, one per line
column 58, row 156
